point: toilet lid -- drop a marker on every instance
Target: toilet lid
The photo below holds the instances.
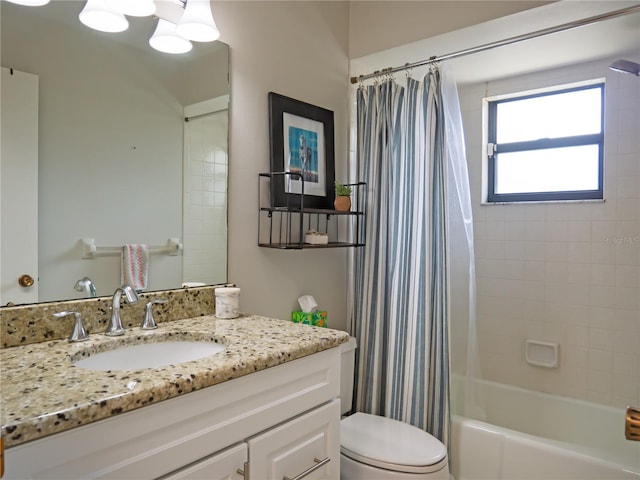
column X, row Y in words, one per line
column 386, row 443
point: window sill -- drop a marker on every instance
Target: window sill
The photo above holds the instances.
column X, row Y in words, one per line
column 538, row 202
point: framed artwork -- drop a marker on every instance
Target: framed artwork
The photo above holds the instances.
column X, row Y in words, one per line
column 302, row 143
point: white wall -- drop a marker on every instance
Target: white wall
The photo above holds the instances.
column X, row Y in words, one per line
column 297, row 49
column 564, row 272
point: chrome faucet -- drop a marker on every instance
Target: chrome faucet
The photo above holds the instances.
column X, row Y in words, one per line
column 115, row 327
column 86, row 285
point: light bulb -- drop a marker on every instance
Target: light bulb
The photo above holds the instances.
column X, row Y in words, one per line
column 135, row 8
column 165, row 39
column 30, row 3
column 197, row 22
column 101, row 15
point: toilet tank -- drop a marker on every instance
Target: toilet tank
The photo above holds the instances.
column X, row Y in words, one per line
column 347, row 373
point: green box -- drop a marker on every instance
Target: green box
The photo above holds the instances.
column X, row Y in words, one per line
column 318, row 319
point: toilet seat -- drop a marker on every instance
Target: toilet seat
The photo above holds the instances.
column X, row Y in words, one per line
column 389, row 444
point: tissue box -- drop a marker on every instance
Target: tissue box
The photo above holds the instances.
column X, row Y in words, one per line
column 318, row 318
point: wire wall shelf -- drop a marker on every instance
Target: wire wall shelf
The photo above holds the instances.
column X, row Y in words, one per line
column 292, row 226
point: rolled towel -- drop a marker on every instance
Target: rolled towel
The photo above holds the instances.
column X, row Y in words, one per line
column 135, row 265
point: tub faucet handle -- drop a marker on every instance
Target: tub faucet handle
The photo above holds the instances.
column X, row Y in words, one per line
column 150, row 322
column 78, row 334
column 632, row 424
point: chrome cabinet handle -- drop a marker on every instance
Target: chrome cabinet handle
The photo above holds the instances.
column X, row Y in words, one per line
column 245, row 472
column 319, row 464
column 632, row 424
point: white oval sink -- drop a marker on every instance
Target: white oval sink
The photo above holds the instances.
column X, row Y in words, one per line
column 149, row 355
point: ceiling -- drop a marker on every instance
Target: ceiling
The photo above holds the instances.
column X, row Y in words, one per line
column 608, row 39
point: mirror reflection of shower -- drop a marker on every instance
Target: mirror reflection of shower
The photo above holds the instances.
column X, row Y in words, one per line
column 626, row 66
column 87, row 286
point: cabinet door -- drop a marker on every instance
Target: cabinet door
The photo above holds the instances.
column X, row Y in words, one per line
column 219, row 466
column 300, row 445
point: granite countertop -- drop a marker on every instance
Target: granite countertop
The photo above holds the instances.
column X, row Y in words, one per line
column 43, row 393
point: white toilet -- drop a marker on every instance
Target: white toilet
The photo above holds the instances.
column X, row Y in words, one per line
column 379, row 448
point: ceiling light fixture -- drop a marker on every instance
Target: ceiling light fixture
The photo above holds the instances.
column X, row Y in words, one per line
column 102, row 15
column 179, row 21
column 165, row 39
column 197, row 22
column 30, row 3
column 135, row 8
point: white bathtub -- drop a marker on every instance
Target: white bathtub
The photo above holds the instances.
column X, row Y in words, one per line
column 536, row 436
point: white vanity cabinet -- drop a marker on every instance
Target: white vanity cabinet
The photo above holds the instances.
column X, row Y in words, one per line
column 265, row 425
column 307, row 444
column 226, row 465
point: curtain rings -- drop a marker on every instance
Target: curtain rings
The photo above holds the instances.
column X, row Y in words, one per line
column 387, row 74
column 433, row 66
column 376, row 79
column 408, row 70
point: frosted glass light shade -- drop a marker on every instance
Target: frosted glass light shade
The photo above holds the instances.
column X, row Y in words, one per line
column 102, row 15
column 30, row 3
column 135, row 8
column 165, row 39
column 197, row 22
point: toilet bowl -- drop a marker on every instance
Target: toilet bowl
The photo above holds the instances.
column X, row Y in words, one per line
column 379, row 448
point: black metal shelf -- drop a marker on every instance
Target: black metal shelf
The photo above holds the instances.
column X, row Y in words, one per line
column 297, row 246
column 319, row 211
column 283, row 227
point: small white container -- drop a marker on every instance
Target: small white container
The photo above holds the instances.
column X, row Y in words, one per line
column 316, row 238
column 227, row 302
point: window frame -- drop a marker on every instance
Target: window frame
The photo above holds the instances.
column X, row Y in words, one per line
column 493, row 149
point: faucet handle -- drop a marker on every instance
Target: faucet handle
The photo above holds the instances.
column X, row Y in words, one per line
column 150, row 322
column 78, row 334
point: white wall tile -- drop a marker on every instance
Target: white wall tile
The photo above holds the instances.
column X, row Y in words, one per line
column 568, row 272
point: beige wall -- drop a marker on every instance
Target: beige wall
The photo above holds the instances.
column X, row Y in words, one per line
column 300, row 50
column 376, row 26
column 297, row 49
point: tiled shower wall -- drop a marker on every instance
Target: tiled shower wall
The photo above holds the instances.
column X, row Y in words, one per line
column 206, row 165
column 563, row 272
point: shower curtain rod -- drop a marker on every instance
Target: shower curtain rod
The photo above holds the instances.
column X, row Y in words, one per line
column 500, row 43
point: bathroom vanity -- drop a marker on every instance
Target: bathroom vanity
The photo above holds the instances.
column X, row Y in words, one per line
column 267, row 406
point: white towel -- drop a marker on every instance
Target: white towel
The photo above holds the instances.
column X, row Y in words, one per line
column 135, row 265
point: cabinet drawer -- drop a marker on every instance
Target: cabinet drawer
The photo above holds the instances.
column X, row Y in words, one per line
column 219, row 466
column 297, row 445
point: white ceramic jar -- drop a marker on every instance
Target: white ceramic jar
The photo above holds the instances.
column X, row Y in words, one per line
column 227, row 302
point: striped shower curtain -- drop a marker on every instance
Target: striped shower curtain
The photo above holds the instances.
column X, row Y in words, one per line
column 401, row 297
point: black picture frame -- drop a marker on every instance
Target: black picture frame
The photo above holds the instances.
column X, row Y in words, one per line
column 293, row 122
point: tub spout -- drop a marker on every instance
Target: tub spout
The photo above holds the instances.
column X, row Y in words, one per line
column 632, row 424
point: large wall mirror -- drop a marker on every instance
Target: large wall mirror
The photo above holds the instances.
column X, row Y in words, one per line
column 116, row 160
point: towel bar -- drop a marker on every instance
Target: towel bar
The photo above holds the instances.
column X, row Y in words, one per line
column 90, row 250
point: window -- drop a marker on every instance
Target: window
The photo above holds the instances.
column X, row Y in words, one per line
column 546, row 146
